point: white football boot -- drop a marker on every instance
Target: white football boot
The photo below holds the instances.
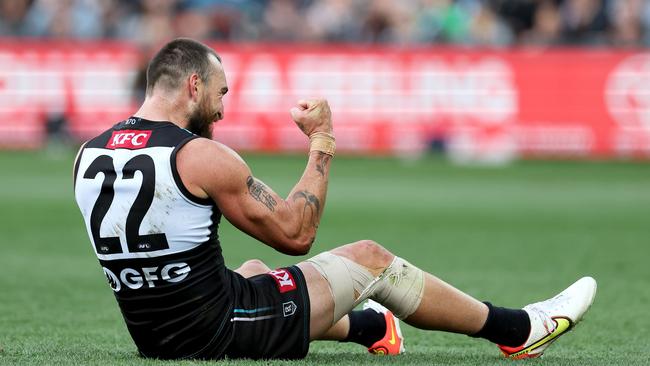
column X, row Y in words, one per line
column 553, row 318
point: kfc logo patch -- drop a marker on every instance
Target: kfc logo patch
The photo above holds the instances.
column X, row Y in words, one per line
column 129, row 139
column 284, row 280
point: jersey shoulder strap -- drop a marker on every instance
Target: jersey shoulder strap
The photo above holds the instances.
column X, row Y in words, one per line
column 137, row 133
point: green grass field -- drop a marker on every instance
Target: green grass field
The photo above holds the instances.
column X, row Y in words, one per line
column 510, row 235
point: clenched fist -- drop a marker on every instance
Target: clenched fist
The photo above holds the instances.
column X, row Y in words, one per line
column 312, row 115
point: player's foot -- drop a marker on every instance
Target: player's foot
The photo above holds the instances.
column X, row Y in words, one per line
column 393, row 342
column 553, row 318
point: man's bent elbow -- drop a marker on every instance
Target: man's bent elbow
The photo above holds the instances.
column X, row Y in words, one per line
column 298, row 240
column 298, row 246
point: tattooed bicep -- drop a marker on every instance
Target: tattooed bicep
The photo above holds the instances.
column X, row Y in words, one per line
column 261, row 193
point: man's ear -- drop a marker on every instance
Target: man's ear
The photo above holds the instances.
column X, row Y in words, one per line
column 193, row 86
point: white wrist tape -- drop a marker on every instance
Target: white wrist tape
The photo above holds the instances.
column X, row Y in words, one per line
column 399, row 287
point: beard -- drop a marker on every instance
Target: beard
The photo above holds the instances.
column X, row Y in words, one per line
column 200, row 123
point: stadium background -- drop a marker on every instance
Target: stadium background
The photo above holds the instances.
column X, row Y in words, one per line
column 501, row 145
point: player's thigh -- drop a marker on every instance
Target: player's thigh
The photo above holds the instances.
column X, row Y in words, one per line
column 321, row 302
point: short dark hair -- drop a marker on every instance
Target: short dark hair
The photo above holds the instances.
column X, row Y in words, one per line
column 178, row 59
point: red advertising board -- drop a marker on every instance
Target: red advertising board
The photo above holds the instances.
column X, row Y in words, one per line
column 480, row 104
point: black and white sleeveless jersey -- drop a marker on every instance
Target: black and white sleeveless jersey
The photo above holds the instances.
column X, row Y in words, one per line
column 156, row 242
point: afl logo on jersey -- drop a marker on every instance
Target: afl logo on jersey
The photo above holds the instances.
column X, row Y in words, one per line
column 129, row 139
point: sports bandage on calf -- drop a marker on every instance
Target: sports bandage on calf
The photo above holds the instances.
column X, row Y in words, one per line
column 399, row 287
column 323, row 142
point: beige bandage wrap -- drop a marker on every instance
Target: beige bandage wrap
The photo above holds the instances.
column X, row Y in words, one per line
column 399, row 287
column 347, row 280
column 323, row 142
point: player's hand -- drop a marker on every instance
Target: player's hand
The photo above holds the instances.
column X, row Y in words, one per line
column 312, row 115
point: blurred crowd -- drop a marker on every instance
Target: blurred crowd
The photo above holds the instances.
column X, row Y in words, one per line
column 466, row 22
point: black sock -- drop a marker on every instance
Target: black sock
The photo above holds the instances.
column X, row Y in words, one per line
column 366, row 327
column 505, row 327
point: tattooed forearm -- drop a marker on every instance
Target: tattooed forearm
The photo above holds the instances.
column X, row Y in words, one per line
column 321, row 163
column 258, row 190
column 311, row 208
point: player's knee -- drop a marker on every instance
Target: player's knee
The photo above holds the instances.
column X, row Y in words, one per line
column 364, row 270
column 367, row 253
column 255, row 266
column 379, row 255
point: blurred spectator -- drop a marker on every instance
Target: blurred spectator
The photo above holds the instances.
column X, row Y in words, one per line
column 627, row 22
column 488, row 29
column 65, row 19
column 12, row 17
column 584, row 21
column 547, row 25
column 443, row 21
column 283, row 21
column 333, row 21
column 382, row 18
column 518, row 14
column 472, row 22
column 194, row 22
column 121, row 18
column 155, row 23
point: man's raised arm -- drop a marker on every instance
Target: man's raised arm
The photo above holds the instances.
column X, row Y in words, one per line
column 289, row 225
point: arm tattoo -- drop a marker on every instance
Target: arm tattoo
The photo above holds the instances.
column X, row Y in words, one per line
column 312, row 203
column 258, row 190
column 322, row 161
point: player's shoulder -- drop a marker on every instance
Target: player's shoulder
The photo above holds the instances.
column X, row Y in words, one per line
column 210, row 150
column 210, row 157
column 211, row 166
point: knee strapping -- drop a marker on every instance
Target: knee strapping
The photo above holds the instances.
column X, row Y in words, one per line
column 399, row 287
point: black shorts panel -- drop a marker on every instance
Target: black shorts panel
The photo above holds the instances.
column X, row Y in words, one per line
column 271, row 316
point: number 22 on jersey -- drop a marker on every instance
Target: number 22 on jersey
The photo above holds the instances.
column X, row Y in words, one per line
column 135, row 242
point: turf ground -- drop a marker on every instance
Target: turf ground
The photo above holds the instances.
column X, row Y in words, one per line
column 512, row 235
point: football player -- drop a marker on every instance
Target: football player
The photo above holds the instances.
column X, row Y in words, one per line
column 153, row 188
